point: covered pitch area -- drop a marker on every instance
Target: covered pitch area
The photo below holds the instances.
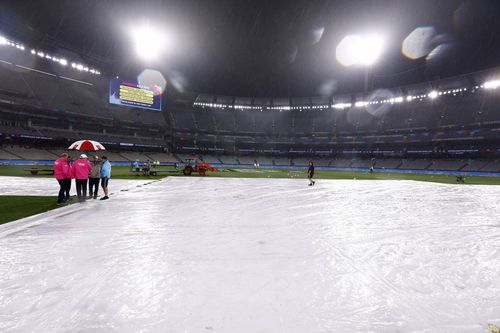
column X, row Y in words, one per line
column 212, row 254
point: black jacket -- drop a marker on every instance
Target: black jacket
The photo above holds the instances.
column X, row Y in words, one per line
column 310, row 171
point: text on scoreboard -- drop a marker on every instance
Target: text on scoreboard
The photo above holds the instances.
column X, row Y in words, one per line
column 129, row 93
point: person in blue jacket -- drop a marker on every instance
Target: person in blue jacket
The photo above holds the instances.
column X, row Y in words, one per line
column 105, row 175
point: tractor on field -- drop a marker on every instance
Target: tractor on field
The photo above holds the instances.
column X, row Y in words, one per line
column 194, row 164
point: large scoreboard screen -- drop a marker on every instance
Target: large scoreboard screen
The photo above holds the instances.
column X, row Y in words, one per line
column 130, row 93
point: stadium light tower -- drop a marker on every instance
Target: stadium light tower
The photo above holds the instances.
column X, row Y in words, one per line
column 148, row 41
column 362, row 50
column 359, row 50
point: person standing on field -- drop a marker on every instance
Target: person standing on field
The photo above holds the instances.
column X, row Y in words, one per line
column 69, row 177
column 62, row 173
column 105, row 175
column 136, row 166
column 81, row 169
column 95, row 177
column 310, row 173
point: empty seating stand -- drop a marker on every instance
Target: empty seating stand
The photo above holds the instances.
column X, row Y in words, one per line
column 30, row 153
column 301, row 161
column 228, row 159
column 281, row 161
column 493, row 166
column 475, row 165
column 5, row 155
column 211, row 159
column 415, row 164
column 389, row 163
column 450, row 165
column 163, row 157
column 246, row 160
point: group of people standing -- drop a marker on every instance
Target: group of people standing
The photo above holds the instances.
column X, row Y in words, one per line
column 85, row 174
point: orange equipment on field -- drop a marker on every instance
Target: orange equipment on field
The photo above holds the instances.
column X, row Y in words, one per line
column 194, row 164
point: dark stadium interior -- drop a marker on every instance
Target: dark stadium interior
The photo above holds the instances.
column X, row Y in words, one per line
column 250, row 166
column 249, row 83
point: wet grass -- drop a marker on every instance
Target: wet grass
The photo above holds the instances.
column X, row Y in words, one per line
column 15, row 207
column 123, row 172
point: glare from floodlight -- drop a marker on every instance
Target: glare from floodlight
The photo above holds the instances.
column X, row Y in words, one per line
column 491, row 84
column 3, row 40
column 148, row 41
column 342, row 105
column 33, row 52
column 79, row 67
column 433, row 94
column 63, row 62
column 359, row 50
column 154, row 80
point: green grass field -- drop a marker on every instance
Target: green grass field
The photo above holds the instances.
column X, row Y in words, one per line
column 16, row 207
column 122, row 172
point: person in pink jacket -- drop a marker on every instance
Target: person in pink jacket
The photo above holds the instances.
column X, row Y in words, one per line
column 62, row 172
column 81, row 168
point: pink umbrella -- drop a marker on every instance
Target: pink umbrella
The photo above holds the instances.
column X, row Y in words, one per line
column 87, row 145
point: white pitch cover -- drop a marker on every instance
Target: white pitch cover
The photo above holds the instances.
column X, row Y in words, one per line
column 256, row 255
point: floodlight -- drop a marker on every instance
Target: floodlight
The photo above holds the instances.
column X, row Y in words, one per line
column 359, row 50
column 63, row 62
column 491, row 84
column 433, row 94
column 3, row 40
column 148, row 41
column 79, row 67
column 33, row 52
column 341, row 105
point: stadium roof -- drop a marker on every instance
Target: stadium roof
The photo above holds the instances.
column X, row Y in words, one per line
column 265, row 48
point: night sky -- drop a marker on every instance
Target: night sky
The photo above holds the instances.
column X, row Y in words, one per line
column 263, row 48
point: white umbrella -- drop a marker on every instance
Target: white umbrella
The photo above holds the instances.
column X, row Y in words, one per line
column 87, row 145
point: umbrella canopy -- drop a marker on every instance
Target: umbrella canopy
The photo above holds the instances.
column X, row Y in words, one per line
column 87, row 145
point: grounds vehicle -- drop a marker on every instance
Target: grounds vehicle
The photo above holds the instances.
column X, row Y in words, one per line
column 194, row 164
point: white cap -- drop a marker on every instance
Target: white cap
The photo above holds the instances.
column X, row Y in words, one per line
column 83, row 156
